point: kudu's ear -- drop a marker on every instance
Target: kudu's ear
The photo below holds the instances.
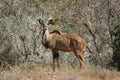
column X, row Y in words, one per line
column 41, row 21
column 51, row 21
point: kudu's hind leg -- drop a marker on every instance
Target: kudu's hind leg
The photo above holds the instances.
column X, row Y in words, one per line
column 81, row 61
column 80, row 58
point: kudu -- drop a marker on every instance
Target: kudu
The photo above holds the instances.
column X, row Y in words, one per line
column 57, row 41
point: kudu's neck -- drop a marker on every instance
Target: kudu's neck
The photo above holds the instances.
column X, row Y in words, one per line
column 46, row 32
column 46, row 35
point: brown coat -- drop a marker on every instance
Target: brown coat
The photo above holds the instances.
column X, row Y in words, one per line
column 57, row 41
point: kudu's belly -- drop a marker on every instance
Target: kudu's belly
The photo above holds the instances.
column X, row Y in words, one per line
column 64, row 46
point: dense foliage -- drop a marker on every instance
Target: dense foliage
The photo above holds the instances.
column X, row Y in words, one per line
column 116, row 47
column 93, row 20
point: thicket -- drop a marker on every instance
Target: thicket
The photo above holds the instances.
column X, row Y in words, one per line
column 116, row 47
column 93, row 20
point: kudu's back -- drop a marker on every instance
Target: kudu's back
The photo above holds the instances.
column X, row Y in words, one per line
column 66, row 42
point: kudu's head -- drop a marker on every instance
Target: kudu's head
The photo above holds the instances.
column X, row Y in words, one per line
column 47, row 23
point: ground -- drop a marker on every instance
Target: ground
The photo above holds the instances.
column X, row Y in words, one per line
column 31, row 71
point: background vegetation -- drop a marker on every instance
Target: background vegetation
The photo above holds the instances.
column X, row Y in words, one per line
column 97, row 21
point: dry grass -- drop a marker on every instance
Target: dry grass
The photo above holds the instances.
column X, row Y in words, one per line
column 31, row 71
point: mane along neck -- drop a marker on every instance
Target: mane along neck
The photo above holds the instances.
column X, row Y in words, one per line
column 57, row 32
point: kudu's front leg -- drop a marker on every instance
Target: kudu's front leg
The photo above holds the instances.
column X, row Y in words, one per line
column 55, row 59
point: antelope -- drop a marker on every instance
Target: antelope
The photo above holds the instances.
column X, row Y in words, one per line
column 57, row 41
